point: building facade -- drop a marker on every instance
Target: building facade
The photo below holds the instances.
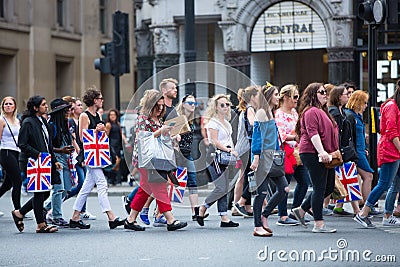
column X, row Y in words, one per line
column 280, row 41
column 48, row 48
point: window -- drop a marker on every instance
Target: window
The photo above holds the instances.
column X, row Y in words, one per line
column 60, row 13
column 2, row 9
column 102, row 9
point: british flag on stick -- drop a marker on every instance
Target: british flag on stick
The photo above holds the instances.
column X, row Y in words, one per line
column 96, row 148
column 348, row 176
column 39, row 173
column 176, row 193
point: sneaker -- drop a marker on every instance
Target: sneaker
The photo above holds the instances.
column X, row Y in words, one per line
column 160, row 222
column 49, row 218
column 24, row 192
column 87, row 216
column 127, row 204
column 323, row 229
column 60, row 222
column 287, row 222
column 144, row 216
column 291, row 216
column 1, row 214
column 375, row 212
column 391, row 221
column 341, row 212
column 241, row 210
column 296, row 213
column 330, row 206
column 363, row 221
column 326, row 212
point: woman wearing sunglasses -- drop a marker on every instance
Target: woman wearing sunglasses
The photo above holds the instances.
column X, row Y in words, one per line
column 318, row 137
column 187, row 108
column 219, row 132
column 286, row 118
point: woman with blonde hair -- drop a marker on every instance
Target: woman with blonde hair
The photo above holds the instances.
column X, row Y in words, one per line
column 356, row 106
column 9, row 129
column 247, row 106
column 219, row 132
column 286, row 118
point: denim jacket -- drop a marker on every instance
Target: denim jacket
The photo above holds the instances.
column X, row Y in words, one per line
column 265, row 137
column 360, row 133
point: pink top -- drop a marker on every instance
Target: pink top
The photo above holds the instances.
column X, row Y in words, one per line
column 316, row 121
column 390, row 128
column 286, row 124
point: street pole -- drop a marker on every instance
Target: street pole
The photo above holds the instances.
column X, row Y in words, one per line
column 117, row 97
column 372, row 89
column 190, row 52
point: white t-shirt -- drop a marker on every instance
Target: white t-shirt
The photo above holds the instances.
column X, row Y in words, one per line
column 224, row 131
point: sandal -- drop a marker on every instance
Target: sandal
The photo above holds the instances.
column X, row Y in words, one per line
column 18, row 221
column 47, row 229
column 175, row 225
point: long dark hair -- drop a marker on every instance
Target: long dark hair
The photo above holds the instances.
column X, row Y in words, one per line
column 117, row 115
column 60, row 123
column 310, row 99
column 33, row 101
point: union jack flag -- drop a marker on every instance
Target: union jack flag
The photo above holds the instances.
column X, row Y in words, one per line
column 96, row 148
column 348, row 176
column 39, row 173
column 72, row 170
column 176, row 193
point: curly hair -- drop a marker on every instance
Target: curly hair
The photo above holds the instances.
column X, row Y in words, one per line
column 211, row 110
column 90, row 95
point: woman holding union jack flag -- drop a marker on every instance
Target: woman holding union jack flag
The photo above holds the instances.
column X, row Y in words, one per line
column 35, row 141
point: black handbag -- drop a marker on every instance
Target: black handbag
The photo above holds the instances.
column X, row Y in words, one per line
column 349, row 153
column 277, row 157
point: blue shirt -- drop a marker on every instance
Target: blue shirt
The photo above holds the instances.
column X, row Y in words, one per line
column 360, row 133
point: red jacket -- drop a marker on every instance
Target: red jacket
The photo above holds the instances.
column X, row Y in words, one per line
column 390, row 128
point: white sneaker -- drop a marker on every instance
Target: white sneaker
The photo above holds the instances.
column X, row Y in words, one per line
column 391, row 221
column 87, row 216
column 1, row 214
column 49, row 217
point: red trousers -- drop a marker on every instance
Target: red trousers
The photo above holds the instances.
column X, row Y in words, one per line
column 157, row 190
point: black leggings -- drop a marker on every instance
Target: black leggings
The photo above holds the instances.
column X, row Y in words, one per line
column 12, row 177
column 323, row 182
column 36, row 203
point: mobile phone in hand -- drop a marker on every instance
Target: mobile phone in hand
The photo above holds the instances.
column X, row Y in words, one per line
column 171, row 123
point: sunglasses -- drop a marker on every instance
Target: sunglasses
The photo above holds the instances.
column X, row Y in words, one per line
column 322, row 92
column 296, row 97
column 101, row 98
column 223, row 105
column 190, row 103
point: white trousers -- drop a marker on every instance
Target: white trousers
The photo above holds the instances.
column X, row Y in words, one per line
column 94, row 176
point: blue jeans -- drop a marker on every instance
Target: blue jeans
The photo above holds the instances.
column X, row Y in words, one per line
column 387, row 174
column 133, row 193
column 57, row 194
column 392, row 193
column 191, row 181
column 219, row 194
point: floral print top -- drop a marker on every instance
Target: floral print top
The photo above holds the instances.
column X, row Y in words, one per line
column 144, row 123
column 286, row 124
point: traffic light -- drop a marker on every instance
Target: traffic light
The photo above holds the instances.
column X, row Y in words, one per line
column 106, row 64
column 379, row 11
column 121, row 42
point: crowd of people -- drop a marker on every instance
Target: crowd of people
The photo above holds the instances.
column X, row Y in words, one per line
column 306, row 128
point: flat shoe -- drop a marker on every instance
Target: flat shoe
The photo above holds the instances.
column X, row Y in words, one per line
column 117, row 222
column 175, row 225
column 229, row 224
column 267, row 234
column 133, row 226
column 199, row 219
column 18, row 221
column 267, row 229
column 78, row 224
column 47, row 229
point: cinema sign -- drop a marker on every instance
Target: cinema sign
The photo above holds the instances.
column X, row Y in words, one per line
column 288, row 25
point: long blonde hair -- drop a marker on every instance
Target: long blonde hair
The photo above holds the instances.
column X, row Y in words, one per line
column 211, row 110
column 14, row 114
